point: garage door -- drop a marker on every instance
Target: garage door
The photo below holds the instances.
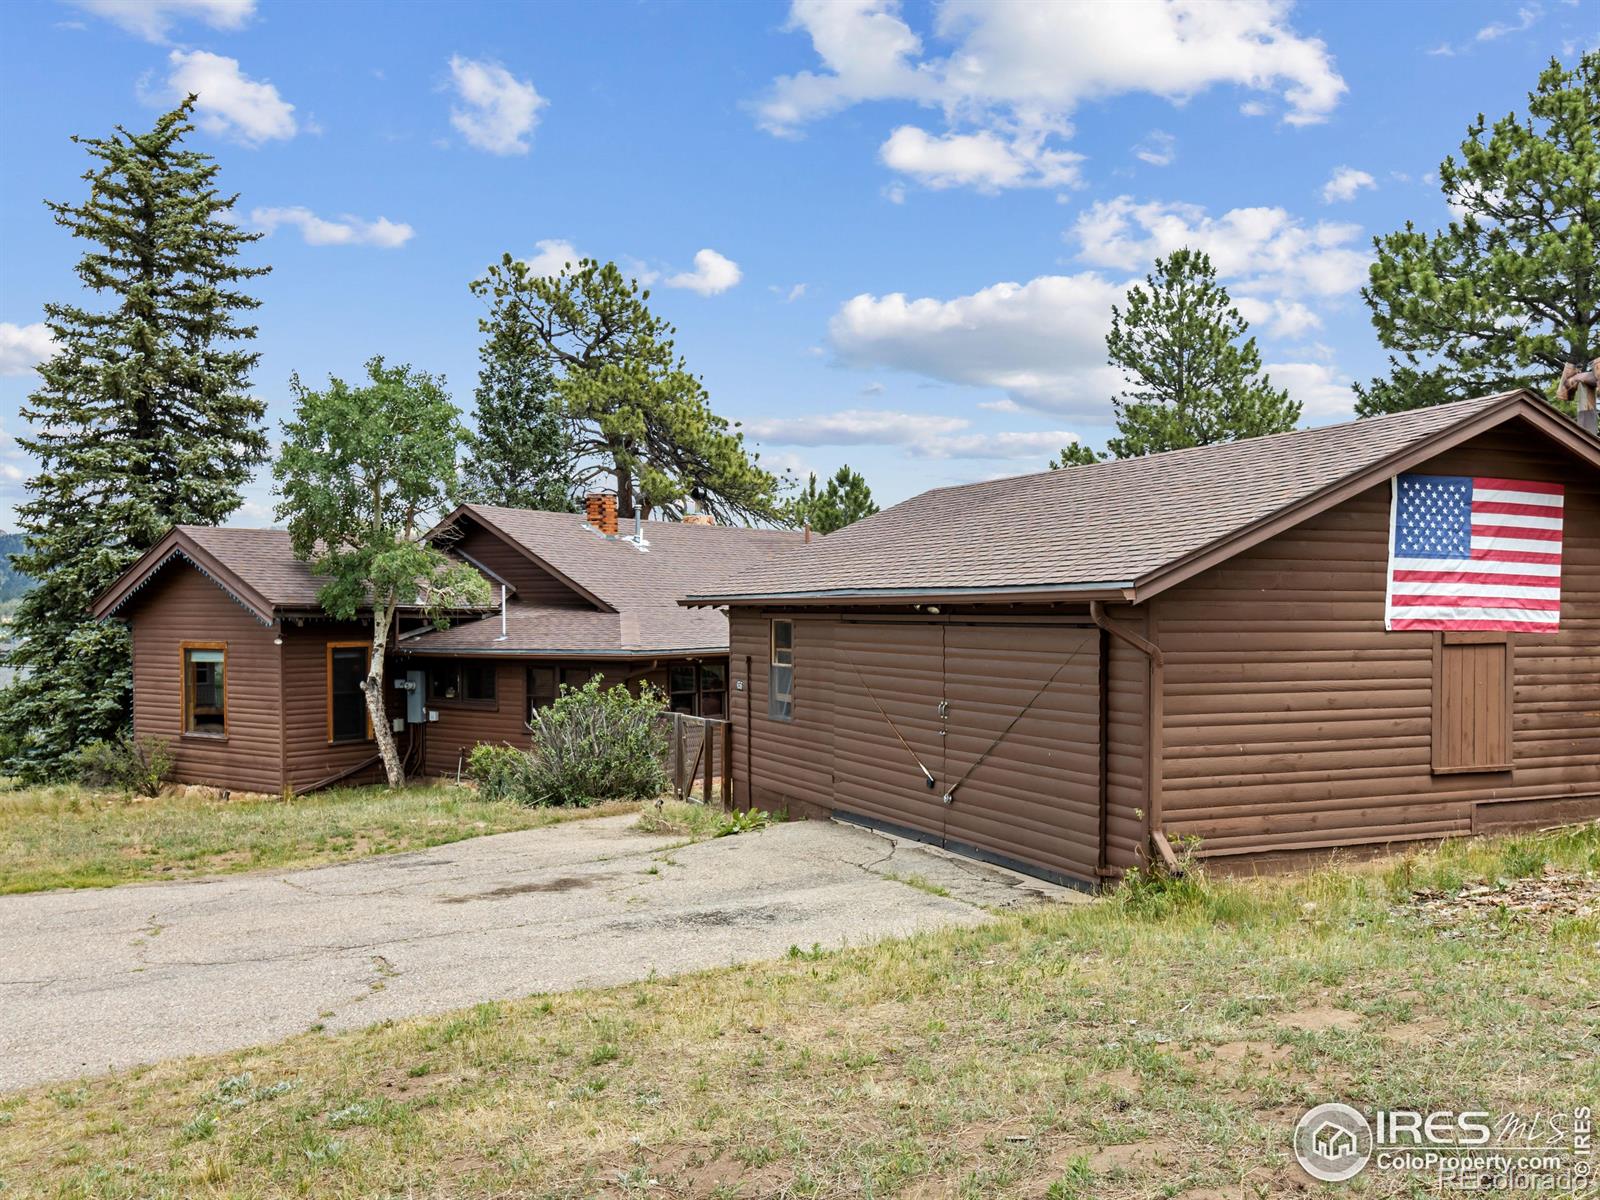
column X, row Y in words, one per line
column 888, row 688
column 1004, row 718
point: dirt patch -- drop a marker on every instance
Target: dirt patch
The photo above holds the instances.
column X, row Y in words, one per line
column 1316, row 1020
column 565, row 883
column 1250, row 1052
column 1417, row 1033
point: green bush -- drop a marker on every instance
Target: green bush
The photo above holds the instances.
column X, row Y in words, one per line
column 596, row 744
column 501, row 772
column 134, row 766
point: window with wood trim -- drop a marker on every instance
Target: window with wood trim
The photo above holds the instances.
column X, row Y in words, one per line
column 681, row 688
column 1472, row 699
column 780, row 673
column 348, row 717
column 205, row 690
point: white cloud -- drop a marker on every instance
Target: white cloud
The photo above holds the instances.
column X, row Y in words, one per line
column 1344, row 183
column 1324, row 391
column 1015, row 73
column 1003, row 405
column 1041, row 342
column 553, row 254
column 1158, row 149
column 231, row 104
column 1254, row 108
column 923, row 435
column 499, row 110
column 1527, row 15
column 153, row 19
column 346, row 231
column 1280, row 317
column 713, row 273
column 794, row 293
column 1263, row 249
column 982, row 160
column 23, row 347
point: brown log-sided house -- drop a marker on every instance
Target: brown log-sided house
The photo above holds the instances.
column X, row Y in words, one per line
column 1066, row 672
column 255, row 688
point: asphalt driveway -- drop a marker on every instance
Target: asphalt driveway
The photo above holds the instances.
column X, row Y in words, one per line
column 105, row 979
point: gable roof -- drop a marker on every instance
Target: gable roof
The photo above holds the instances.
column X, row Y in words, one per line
column 635, row 591
column 1125, row 529
column 257, row 567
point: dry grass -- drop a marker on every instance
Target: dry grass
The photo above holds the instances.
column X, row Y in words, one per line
column 1157, row 1043
column 68, row 837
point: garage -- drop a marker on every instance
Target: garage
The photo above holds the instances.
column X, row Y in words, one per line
column 1237, row 651
column 983, row 737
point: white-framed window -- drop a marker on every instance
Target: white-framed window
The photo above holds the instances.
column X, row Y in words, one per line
column 780, row 672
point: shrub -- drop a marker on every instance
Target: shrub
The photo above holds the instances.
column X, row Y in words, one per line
column 134, row 766
column 501, row 772
column 597, row 744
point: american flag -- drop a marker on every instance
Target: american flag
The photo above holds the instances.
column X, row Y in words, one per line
column 1471, row 552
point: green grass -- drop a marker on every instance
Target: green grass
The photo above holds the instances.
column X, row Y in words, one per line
column 1157, row 1043
column 68, row 837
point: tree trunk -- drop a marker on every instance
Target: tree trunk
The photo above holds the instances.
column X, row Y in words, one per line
column 624, row 495
column 382, row 616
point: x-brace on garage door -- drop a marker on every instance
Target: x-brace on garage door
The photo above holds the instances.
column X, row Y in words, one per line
column 981, row 737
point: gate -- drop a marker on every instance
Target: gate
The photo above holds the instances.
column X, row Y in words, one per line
column 700, row 754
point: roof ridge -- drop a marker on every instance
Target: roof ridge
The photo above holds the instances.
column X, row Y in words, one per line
column 1265, row 437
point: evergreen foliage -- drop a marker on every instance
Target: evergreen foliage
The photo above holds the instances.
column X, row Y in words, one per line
column 143, row 419
column 634, row 411
column 1075, row 455
column 1509, row 293
column 1191, row 380
column 844, row 501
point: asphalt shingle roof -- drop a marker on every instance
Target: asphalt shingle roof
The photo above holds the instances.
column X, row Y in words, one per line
column 1111, row 523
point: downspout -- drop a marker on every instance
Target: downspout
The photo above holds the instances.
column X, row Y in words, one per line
column 1155, row 678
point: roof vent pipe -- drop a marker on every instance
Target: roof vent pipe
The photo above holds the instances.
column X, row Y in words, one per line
column 502, row 636
column 1582, row 383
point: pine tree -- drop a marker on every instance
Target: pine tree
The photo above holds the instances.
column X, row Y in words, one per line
column 1509, row 294
column 844, row 501
column 143, row 419
column 1192, row 381
column 519, row 456
column 636, row 415
column 1075, row 455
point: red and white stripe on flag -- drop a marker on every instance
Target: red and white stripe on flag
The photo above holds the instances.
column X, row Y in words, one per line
column 1474, row 553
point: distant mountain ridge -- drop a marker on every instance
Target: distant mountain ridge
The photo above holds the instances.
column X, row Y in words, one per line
column 13, row 584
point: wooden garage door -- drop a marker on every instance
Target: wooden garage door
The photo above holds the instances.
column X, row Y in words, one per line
column 1033, row 796
column 1004, row 716
column 896, row 667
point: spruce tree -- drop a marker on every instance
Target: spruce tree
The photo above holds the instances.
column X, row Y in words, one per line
column 1194, row 378
column 1509, row 293
column 143, row 419
column 519, row 456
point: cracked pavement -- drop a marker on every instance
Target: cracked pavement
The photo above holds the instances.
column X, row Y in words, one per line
column 99, row 980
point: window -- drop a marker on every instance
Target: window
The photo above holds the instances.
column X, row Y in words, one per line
column 780, row 675
column 1472, row 700
column 205, row 693
column 462, row 681
column 681, row 689
column 348, row 719
column 541, row 688
column 713, row 690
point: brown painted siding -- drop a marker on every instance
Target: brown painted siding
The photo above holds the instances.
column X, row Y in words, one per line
column 310, row 756
column 182, row 605
column 534, row 584
column 790, row 764
column 1128, row 756
column 1293, row 720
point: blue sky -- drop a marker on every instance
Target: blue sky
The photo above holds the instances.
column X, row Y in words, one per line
column 888, row 234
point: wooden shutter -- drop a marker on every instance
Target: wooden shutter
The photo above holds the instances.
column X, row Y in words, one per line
column 1472, row 691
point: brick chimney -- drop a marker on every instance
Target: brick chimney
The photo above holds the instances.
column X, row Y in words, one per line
column 600, row 509
column 1583, row 384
